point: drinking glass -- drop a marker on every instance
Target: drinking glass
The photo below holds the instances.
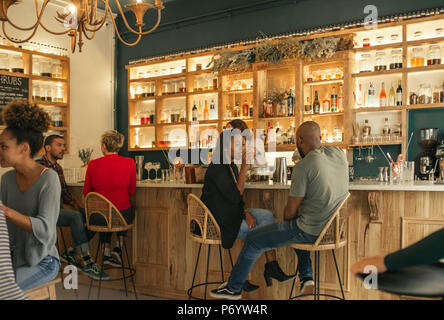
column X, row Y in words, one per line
column 408, row 171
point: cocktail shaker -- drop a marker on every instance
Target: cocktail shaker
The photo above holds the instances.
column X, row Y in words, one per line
column 139, row 167
column 280, row 170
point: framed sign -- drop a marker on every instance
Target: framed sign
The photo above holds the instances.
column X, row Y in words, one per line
column 12, row 88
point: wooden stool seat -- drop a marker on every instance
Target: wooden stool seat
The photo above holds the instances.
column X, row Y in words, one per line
column 332, row 237
column 44, row 292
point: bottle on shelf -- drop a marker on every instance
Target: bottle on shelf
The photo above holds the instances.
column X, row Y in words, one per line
column 316, row 104
column 371, row 96
column 213, row 113
column 195, row 112
column 324, row 135
column 236, row 110
column 399, row 94
column 290, row 103
column 382, row 96
column 206, row 112
column 250, row 112
column 366, row 129
column 278, row 133
column 227, row 112
column 245, row 109
column 337, row 134
column 392, row 97
column 340, row 99
column 270, row 108
column 334, row 100
column 386, row 130
column 308, row 108
column 326, row 104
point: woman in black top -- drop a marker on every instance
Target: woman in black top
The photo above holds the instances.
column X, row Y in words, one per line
column 222, row 194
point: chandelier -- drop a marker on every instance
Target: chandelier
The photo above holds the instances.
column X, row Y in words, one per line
column 80, row 19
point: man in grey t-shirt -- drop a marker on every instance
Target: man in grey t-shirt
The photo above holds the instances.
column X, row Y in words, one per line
column 319, row 184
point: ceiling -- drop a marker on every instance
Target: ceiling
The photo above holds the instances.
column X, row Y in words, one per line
column 124, row 2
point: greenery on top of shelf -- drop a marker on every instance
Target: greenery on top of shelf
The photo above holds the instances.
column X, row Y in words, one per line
column 268, row 51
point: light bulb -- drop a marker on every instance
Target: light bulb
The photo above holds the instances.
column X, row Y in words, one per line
column 72, row 8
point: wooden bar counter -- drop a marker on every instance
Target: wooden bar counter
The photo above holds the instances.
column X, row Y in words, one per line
column 381, row 218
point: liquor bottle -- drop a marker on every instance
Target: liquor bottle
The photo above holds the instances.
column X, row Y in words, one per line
column 194, row 110
column 324, row 134
column 334, row 100
column 307, row 108
column 227, row 112
column 340, row 100
column 251, row 110
column 213, row 114
column 266, row 132
column 316, row 104
column 206, row 112
column 392, row 97
column 290, row 103
column 399, row 94
column 382, row 97
column 326, row 104
column 245, row 109
column 371, row 96
column 366, row 129
column 236, row 110
column 270, row 108
column 386, row 130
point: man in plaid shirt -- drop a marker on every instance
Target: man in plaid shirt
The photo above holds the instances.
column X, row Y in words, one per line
column 71, row 214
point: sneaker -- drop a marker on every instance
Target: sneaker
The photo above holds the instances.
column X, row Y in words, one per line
column 111, row 261
column 117, row 254
column 224, row 293
column 307, row 286
column 93, row 271
column 70, row 258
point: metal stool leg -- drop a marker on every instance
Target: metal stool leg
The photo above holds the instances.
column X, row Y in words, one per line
column 231, row 258
column 123, row 270
column 97, row 254
column 221, row 264
column 208, row 265
column 338, row 273
column 130, row 267
column 195, row 269
column 101, row 271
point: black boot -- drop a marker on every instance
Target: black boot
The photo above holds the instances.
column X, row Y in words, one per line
column 272, row 270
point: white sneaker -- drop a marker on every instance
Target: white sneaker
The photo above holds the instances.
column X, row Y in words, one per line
column 224, row 293
column 307, row 287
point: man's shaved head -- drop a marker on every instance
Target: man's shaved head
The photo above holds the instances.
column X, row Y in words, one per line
column 308, row 137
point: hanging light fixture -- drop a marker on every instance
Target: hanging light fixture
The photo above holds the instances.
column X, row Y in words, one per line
column 80, row 19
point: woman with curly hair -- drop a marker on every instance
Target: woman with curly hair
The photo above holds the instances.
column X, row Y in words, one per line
column 30, row 194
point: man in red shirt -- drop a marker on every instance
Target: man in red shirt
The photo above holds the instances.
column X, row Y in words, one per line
column 114, row 177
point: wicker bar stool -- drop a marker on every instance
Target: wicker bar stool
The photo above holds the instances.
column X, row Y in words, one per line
column 95, row 203
column 208, row 233
column 332, row 237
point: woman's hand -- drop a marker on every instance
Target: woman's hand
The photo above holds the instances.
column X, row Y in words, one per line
column 377, row 261
column 251, row 221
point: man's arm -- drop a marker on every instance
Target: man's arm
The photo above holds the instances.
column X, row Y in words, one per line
column 292, row 207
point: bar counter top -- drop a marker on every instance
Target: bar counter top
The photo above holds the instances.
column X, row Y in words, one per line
column 353, row 186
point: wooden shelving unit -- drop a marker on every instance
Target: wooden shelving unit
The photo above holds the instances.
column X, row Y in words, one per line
column 288, row 74
column 29, row 57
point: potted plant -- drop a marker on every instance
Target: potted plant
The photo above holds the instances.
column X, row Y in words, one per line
column 85, row 156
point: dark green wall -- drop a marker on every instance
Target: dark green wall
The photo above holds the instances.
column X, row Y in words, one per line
column 188, row 24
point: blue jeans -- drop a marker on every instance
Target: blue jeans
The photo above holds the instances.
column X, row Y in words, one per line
column 32, row 277
column 80, row 235
column 263, row 218
column 275, row 235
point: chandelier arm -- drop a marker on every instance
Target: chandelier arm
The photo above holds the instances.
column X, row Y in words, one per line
column 17, row 41
column 39, row 16
column 159, row 16
column 53, row 32
column 124, row 19
column 120, row 38
column 86, row 35
column 98, row 27
column 73, row 42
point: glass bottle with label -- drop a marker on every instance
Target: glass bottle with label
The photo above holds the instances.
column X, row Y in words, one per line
column 316, row 104
column 371, row 96
column 382, row 97
column 307, row 108
column 213, row 113
column 366, row 129
column 392, row 96
column 227, row 112
column 206, row 111
column 399, row 94
column 326, row 104
column 386, row 130
column 334, row 100
column 194, row 111
column 236, row 110
column 245, row 109
column 341, row 99
column 290, row 103
column 251, row 110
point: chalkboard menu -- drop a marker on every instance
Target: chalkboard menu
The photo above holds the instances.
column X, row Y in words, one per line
column 12, row 88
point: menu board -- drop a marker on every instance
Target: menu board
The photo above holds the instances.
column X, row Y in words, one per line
column 12, row 88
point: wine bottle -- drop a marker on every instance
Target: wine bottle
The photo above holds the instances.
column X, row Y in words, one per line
column 399, row 94
column 194, row 110
column 382, row 97
column 392, row 97
column 290, row 103
column 316, row 104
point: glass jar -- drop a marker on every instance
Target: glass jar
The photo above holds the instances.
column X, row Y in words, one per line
column 396, row 130
column 196, row 84
column 380, row 61
column 418, row 35
column 175, row 115
column 4, row 62
column 36, row 67
column 425, row 94
column 364, row 63
column 184, row 69
column 144, row 90
column 435, row 95
column 417, row 59
column 434, row 55
column 57, row 70
column 36, row 93
column 394, row 37
column 366, row 42
column 17, row 64
column 138, row 93
column 441, row 93
column 59, row 94
column 151, row 89
column 46, row 93
column 396, row 59
column 380, row 39
column 182, row 87
column 46, row 68
column 413, row 98
column 198, row 66
column 166, row 87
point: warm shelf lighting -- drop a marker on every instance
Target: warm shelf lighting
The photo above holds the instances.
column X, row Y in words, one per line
column 80, row 19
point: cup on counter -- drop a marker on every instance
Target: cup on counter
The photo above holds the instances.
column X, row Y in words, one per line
column 395, row 173
column 408, row 171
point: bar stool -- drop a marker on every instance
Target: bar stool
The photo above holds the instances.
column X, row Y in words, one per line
column 332, row 237
column 96, row 204
column 200, row 216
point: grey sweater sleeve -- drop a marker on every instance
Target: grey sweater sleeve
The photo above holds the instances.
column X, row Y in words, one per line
column 44, row 224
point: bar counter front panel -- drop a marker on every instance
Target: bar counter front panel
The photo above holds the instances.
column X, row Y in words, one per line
column 382, row 218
